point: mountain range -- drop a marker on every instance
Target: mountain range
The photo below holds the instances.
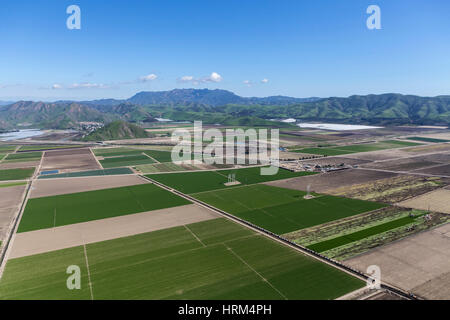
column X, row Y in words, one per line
column 225, row 107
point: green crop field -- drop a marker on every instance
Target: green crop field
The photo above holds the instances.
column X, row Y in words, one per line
column 16, row 174
column 7, row 148
column 362, row 147
column 90, row 173
column 362, row 234
column 25, row 156
column 160, row 167
column 160, row 156
column 47, row 147
column 216, row 259
column 283, row 210
column 48, row 212
column 125, row 161
column 111, row 152
column 424, row 139
column 403, row 143
column 193, row 182
column 12, row 184
column 322, row 151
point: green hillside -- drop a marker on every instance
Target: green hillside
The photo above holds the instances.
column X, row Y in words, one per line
column 117, row 130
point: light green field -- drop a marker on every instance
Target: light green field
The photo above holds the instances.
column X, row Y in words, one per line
column 7, row 148
column 363, row 147
column 323, row 151
column 126, row 161
column 361, row 234
column 425, row 139
column 160, row 167
column 12, row 184
column 49, row 212
column 47, row 147
column 193, row 182
column 90, row 173
column 16, row 174
column 112, row 152
column 24, row 156
column 216, row 259
column 160, row 156
column 282, row 210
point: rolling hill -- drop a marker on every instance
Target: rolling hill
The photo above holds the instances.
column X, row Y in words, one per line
column 117, row 130
column 224, row 107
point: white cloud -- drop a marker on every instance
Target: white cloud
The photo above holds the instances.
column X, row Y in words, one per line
column 57, row 86
column 264, row 80
column 87, row 85
column 149, row 77
column 214, row 77
column 248, row 83
column 186, row 79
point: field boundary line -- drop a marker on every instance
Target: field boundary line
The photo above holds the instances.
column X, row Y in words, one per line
column 88, row 272
column 156, row 161
column 256, row 272
column 194, row 235
column 96, row 160
column 203, row 170
column 7, row 247
column 308, row 252
column 7, row 244
column 405, row 172
column 135, row 197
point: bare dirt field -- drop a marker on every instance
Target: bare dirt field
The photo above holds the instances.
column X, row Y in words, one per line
column 328, row 181
column 438, row 200
column 438, row 157
column 18, row 165
column 53, row 187
column 379, row 155
column 34, row 242
column 406, row 164
column 429, row 148
column 419, row 263
column 10, row 201
column 69, row 160
column 443, row 170
column 333, row 161
column 391, row 190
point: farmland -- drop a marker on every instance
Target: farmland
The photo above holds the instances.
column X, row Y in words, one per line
column 124, row 161
column 282, row 210
column 160, row 167
column 111, row 152
column 16, row 174
column 223, row 261
column 160, row 156
column 356, row 148
column 25, row 156
column 49, row 212
column 358, row 235
column 7, row 148
column 193, row 182
column 354, row 235
column 425, row 139
column 46, row 147
column 145, row 242
column 89, row 173
column 391, row 190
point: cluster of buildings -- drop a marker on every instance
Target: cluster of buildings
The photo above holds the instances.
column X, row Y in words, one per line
column 297, row 166
column 88, row 127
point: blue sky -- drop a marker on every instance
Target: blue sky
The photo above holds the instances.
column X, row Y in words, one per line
column 302, row 48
